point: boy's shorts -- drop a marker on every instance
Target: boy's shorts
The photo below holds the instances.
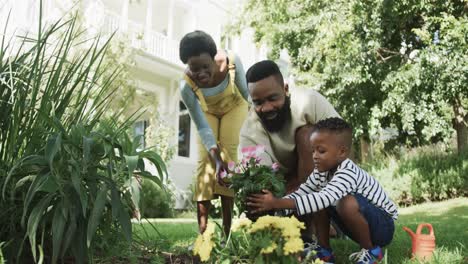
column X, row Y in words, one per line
column 381, row 225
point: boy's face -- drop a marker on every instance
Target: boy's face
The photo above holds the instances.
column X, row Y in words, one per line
column 328, row 151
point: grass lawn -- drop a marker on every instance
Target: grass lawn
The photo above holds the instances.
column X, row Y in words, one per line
column 449, row 219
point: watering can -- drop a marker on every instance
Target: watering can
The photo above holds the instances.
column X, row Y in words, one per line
column 423, row 245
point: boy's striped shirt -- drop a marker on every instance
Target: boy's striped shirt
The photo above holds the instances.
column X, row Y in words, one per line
column 322, row 190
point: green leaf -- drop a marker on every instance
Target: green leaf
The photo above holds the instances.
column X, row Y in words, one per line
column 76, row 182
column 52, row 147
column 96, row 213
column 69, row 233
column 58, row 226
column 87, row 146
column 151, row 177
column 135, row 187
column 39, row 179
column 132, row 163
column 34, row 218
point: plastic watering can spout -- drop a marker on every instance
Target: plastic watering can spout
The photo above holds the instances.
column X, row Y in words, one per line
column 410, row 232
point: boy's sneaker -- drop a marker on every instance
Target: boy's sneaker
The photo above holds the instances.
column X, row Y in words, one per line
column 324, row 254
column 368, row 256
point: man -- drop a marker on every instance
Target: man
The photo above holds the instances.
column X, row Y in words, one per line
column 282, row 122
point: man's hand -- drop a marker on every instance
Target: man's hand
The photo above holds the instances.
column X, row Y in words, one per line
column 262, row 202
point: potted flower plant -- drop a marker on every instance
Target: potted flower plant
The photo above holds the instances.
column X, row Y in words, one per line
column 250, row 176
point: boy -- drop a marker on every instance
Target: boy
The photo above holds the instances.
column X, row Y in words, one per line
column 353, row 199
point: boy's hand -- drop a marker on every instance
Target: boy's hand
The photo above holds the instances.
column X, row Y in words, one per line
column 261, row 202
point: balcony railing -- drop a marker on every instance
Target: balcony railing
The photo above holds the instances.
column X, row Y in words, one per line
column 155, row 43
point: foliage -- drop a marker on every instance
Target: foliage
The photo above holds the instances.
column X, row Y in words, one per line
column 2, row 260
column 422, row 174
column 270, row 239
column 64, row 170
column 43, row 79
column 435, row 176
column 374, row 60
column 156, row 202
column 250, row 176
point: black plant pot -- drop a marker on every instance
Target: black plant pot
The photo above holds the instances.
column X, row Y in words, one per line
column 254, row 217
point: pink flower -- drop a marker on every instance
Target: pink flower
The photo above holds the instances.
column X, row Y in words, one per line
column 259, row 150
column 275, row 166
column 231, row 165
column 248, row 152
column 223, row 174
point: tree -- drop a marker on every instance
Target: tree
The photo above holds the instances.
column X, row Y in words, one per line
column 357, row 53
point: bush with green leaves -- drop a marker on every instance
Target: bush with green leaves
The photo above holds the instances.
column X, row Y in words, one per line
column 423, row 174
column 66, row 174
column 156, row 202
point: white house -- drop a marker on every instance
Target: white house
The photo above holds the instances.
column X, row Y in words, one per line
column 154, row 29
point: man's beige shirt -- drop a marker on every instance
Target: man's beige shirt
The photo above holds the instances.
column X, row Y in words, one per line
column 307, row 107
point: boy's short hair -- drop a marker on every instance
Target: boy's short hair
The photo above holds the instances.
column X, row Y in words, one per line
column 262, row 70
column 338, row 126
column 194, row 44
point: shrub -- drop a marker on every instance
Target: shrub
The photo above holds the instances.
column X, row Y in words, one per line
column 422, row 174
column 435, row 175
column 156, row 202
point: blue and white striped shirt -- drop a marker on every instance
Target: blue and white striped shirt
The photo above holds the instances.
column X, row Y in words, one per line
column 322, row 190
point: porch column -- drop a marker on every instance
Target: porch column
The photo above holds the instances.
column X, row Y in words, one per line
column 170, row 20
column 148, row 23
column 124, row 16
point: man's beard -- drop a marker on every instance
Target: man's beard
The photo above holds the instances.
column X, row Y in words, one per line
column 283, row 115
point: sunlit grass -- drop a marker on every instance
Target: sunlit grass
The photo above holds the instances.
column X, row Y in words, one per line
column 448, row 219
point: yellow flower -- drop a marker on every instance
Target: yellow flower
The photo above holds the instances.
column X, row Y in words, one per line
column 205, row 251
column 209, row 231
column 264, row 222
column 269, row 249
column 294, row 222
column 293, row 245
column 240, row 223
column 204, row 244
column 197, row 245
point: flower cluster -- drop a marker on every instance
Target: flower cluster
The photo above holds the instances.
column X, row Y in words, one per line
column 271, row 239
column 250, row 176
column 288, row 229
column 204, row 243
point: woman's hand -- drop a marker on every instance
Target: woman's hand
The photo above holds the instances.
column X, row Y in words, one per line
column 220, row 166
column 262, row 202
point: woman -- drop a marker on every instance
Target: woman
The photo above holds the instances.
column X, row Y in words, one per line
column 215, row 93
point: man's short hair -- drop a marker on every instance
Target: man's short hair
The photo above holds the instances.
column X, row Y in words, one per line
column 194, row 44
column 338, row 126
column 262, row 70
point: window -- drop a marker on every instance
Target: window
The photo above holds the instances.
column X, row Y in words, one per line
column 183, row 147
column 139, row 130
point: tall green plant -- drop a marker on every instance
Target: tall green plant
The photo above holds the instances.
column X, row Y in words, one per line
column 82, row 181
column 63, row 171
column 54, row 75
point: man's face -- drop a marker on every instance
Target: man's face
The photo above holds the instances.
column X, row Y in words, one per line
column 270, row 102
column 327, row 151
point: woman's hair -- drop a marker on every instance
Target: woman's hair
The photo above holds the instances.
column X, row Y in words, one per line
column 196, row 43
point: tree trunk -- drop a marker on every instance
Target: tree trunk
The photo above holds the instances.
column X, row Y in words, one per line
column 462, row 135
column 364, row 149
column 460, row 124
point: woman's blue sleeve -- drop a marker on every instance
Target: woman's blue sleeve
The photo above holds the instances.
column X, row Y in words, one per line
column 240, row 79
column 197, row 115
